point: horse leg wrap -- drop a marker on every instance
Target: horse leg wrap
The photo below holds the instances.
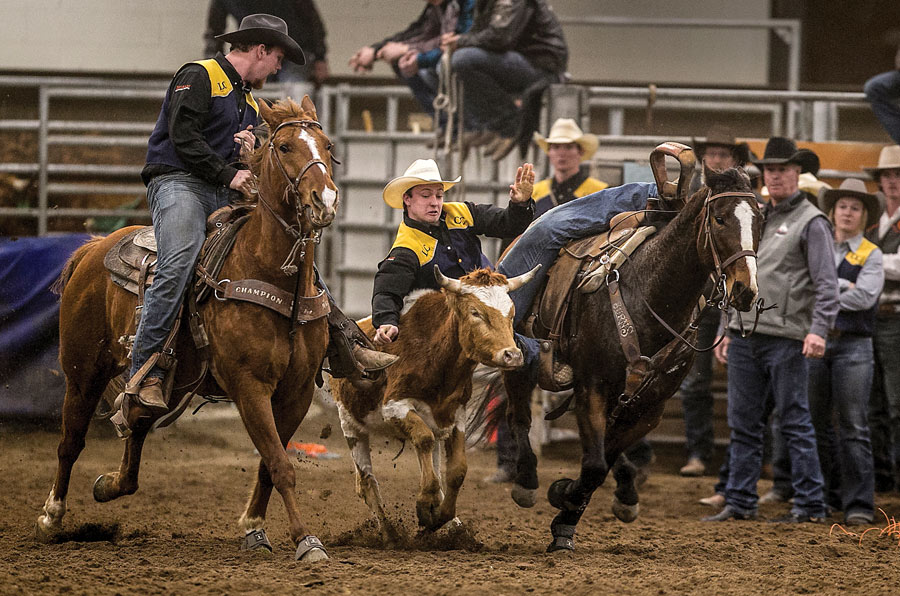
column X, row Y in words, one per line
column 308, row 544
column 256, row 540
column 563, row 538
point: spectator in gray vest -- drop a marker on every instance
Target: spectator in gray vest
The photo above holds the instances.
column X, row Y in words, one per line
column 797, row 276
column 884, row 404
column 839, row 383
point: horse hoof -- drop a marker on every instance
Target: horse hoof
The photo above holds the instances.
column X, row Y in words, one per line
column 257, row 541
column 103, row 491
column 556, row 494
column 623, row 512
column 45, row 530
column 524, row 497
column 310, row 550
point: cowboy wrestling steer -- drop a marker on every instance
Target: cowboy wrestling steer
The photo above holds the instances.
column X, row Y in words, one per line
column 445, row 335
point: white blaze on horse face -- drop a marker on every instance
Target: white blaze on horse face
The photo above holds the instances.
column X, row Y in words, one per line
column 745, row 215
column 328, row 194
column 493, row 296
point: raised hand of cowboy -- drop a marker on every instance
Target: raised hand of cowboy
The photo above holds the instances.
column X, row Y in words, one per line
column 247, row 140
column 520, row 190
column 449, row 41
column 392, row 51
column 408, row 64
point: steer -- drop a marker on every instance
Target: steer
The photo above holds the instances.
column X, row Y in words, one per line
column 443, row 336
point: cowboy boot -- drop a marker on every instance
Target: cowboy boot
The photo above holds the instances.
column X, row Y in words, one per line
column 151, row 395
column 350, row 352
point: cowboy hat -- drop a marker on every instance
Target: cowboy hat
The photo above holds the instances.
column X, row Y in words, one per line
column 422, row 171
column 266, row 29
column 888, row 159
column 721, row 136
column 781, row 150
column 855, row 188
column 565, row 130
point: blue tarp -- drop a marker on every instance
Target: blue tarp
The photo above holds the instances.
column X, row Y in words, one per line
column 31, row 383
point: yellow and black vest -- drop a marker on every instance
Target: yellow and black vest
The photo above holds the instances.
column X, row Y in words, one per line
column 223, row 120
column 857, row 322
column 543, row 201
column 457, row 253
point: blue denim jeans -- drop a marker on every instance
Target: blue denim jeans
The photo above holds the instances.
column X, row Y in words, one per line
column 696, row 393
column 757, row 364
column 883, row 93
column 179, row 205
column 424, row 86
column 839, row 384
column 884, row 403
column 491, row 83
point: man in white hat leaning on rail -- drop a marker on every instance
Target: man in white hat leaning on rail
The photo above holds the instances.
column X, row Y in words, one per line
column 884, row 404
column 437, row 233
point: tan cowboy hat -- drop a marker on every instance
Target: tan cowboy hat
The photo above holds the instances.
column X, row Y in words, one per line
column 856, row 188
column 266, row 29
column 888, row 159
column 422, row 171
column 721, row 136
column 565, row 130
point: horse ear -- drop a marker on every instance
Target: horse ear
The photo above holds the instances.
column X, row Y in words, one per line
column 310, row 108
column 266, row 112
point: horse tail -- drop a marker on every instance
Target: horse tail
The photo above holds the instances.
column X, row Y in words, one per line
column 69, row 268
column 487, row 407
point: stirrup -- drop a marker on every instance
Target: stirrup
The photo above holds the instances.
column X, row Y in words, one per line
column 552, row 374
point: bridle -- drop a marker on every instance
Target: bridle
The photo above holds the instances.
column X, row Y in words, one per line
column 706, row 232
column 292, row 191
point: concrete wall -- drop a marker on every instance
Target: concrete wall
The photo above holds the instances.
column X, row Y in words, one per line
column 127, row 36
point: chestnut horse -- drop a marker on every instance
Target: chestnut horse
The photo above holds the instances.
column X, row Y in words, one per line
column 266, row 365
column 717, row 231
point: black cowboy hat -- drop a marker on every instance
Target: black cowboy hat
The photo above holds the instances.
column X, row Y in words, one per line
column 781, row 150
column 721, row 136
column 269, row 30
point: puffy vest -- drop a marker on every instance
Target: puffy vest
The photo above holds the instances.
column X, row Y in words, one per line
column 543, row 202
column 461, row 256
column 889, row 245
column 222, row 123
column 783, row 274
column 859, row 322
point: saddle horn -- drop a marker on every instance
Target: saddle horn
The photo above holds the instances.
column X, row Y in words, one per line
column 679, row 189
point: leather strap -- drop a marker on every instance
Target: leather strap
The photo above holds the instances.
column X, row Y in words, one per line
column 309, row 308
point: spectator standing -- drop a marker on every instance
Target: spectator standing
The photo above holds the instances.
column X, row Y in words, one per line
column 883, row 93
column 513, row 45
column 303, row 22
column 719, row 151
column 796, row 275
column 415, row 52
column 840, row 382
column 884, row 404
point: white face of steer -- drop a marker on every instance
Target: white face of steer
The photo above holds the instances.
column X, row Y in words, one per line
column 485, row 315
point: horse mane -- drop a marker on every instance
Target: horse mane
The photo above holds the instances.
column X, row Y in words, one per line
column 484, row 277
column 732, row 179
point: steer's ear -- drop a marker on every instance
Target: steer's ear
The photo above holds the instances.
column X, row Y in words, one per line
column 517, row 282
column 452, row 285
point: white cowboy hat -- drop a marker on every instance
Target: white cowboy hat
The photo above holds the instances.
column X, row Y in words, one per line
column 422, row 171
column 565, row 130
column 888, row 159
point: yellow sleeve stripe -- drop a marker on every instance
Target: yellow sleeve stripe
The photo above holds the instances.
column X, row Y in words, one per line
column 417, row 241
column 862, row 253
column 219, row 84
column 457, row 215
column 541, row 189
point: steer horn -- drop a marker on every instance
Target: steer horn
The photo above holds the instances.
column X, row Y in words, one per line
column 453, row 285
column 517, row 282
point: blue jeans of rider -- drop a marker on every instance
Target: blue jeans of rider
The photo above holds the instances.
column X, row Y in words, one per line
column 839, row 384
column 883, row 93
column 179, row 205
column 696, row 393
column 884, row 404
column 755, row 365
column 540, row 243
column 491, row 82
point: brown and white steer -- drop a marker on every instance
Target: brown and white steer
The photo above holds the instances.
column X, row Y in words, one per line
column 443, row 336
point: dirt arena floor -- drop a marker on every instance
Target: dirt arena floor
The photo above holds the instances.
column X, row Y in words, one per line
column 178, row 534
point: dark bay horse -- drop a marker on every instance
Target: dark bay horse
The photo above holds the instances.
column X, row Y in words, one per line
column 257, row 357
column 717, row 231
